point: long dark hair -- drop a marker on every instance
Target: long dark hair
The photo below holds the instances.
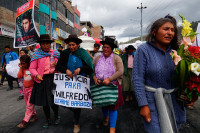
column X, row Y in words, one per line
column 157, row 24
column 26, row 59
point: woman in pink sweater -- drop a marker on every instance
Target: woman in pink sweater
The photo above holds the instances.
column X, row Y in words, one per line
column 42, row 67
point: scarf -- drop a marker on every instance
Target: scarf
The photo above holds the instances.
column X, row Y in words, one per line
column 41, row 54
column 165, row 109
column 82, row 54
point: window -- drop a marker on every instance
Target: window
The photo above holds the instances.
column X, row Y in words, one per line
column 53, row 5
column 9, row 4
column 69, row 15
column 76, row 19
column 76, row 31
column 61, row 7
column 70, row 29
column 61, row 24
column 2, row 3
column 12, row 4
column 54, row 23
column 44, row 18
column 46, row 2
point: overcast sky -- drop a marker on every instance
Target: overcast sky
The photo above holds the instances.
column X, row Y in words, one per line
column 122, row 18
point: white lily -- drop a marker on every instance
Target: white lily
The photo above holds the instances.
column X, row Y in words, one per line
column 195, row 68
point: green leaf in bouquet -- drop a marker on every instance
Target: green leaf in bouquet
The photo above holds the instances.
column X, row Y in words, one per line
column 189, row 95
column 182, row 16
column 182, row 70
column 197, row 94
column 192, row 34
column 180, row 51
column 186, row 90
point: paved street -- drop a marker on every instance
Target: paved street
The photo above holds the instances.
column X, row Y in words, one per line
column 129, row 121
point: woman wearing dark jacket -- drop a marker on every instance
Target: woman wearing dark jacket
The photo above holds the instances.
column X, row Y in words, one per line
column 75, row 61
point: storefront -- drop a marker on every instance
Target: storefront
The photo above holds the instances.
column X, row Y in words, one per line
column 62, row 35
column 7, row 38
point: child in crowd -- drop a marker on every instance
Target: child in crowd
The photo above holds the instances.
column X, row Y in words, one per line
column 28, row 82
column 20, row 80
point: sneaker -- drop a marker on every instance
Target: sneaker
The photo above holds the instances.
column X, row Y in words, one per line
column 47, row 123
column 33, row 118
column 9, row 88
column 76, row 129
column 22, row 124
column 20, row 98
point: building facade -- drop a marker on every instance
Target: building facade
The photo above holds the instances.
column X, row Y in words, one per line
column 76, row 21
column 63, row 18
column 8, row 10
column 95, row 31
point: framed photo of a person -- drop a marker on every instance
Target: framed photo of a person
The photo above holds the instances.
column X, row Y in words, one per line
column 25, row 30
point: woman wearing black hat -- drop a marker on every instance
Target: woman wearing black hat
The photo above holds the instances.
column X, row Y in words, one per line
column 42, row 68
column 74, row 61
column 109, row 69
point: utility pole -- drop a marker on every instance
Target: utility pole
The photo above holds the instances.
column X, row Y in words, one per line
column 141, row 17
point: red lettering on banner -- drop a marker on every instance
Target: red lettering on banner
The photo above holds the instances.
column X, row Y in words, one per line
column 25, row 7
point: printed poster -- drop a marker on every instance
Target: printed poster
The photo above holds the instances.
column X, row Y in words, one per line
column 25, row 30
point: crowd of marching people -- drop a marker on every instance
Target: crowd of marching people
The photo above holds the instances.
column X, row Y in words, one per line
column 145, row 73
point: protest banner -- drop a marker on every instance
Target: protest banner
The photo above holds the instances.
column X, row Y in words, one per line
column 12, row 68
column 72, row 92
column 25, row 30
